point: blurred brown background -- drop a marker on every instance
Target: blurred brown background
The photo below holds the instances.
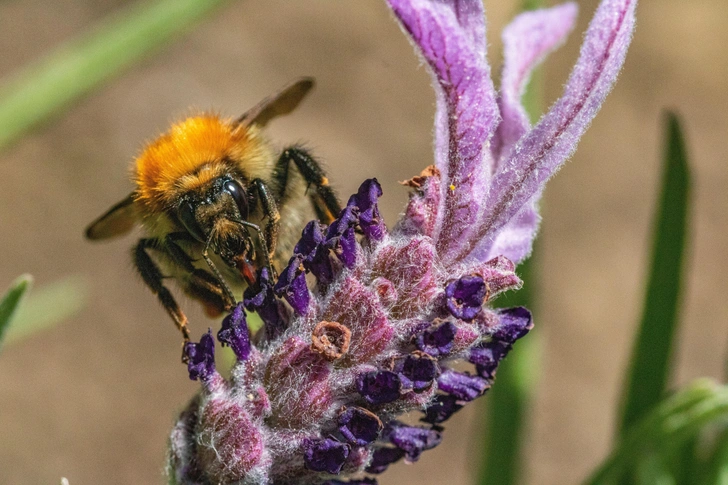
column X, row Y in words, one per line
column 94, row 398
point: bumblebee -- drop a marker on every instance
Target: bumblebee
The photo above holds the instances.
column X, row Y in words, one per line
column 218, row 204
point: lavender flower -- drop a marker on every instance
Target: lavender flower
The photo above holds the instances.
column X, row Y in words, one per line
column 316, row 400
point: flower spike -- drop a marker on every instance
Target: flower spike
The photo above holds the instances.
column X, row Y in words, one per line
column 365, row 325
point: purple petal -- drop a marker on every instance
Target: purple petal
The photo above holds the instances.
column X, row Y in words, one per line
column 450, row 35
column 379, row 387
column 462, row 386
column 234, row 332
column 526, row 43
column 325, row 455
column 359, row 426
column 542, row 151
column 438, row 339
column 200, row 357
column 383, row 457
column 291, row 285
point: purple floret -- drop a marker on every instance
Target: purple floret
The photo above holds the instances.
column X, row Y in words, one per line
column 441, row 409
column 200, row 357
column 312, row 246
column 413, row 440
column 325, row 455
column 514, row 323
column 359, row 426
column 261, row 299
column 437, row 340
column 291, row 285
column 234, row 332
column 363, row 481
column 417, row 371
column 383, row 457
column 465, row 297
column 379, row 387
column 366, row 200
column 462, row 386
column 340, row 236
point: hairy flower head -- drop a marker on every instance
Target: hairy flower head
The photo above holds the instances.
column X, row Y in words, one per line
column 316, row 396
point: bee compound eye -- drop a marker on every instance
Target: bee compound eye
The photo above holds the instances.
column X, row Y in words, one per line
column 186, row 213
column 239, row 196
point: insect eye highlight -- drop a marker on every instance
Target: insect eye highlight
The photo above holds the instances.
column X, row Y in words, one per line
column 186, row 214
column 239, row 195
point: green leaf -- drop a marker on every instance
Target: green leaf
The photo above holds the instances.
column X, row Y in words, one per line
column 11, row 300
column 715, row 472
column 51, row 84
column 653, row 471
column 665, row 429
column 649, row 367
column 49, row 305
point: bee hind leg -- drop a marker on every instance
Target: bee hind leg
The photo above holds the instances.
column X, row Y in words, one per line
column 324, row 200
column 153, row 277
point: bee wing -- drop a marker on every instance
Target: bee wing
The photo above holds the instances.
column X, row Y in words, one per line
column 280, row 103
column 117, row 221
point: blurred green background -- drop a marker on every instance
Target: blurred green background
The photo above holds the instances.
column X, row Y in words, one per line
column 94, row 398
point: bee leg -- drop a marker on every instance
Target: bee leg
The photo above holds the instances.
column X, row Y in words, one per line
column 324, row 199
column 270, row 209
column 197, row 282
column 152, row 276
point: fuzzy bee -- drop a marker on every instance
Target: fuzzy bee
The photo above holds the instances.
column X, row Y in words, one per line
column 218, row 203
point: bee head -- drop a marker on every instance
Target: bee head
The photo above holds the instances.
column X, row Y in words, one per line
column 214, row 215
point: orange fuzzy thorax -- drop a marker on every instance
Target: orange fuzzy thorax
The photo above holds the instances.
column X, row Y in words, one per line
column 193, row 152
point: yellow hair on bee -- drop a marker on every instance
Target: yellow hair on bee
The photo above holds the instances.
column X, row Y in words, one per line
column 193, row 152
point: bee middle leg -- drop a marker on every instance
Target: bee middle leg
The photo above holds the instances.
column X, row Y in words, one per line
column 197, row 282
column 324, row 200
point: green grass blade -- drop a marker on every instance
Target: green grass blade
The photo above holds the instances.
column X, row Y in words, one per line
column 46, row 87
column 649, row 367
column 11, row 300
column 48, row 306
column 665, row 429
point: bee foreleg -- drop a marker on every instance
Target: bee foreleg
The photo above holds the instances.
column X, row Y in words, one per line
column 197, row 282
column 324, row 199
column 152, row 276
column 270, row 210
